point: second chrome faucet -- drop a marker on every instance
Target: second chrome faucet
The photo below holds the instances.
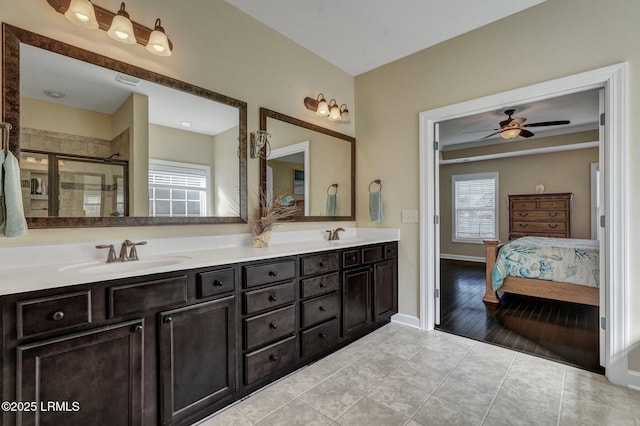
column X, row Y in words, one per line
column 123, row 256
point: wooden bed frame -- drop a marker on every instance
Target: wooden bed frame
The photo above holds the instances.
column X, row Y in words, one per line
column 535, row 287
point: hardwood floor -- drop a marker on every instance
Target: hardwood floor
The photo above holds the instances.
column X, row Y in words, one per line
column 561, row 331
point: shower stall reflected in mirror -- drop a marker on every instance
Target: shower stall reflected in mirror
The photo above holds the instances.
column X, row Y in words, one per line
column 61, row 185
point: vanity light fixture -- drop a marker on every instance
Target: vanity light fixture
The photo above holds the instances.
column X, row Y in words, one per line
column 259, row 144
column 118, row 25
column 329, row 109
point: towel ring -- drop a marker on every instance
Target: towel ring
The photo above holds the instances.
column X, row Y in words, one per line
column 334, row 186
column 378, row 182
column 6, row 127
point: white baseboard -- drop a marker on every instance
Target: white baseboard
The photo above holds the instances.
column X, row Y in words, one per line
column 408, row 320
column 634, row 380
column 462, row 257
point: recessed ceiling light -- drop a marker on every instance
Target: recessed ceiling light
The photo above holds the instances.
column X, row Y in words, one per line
column 54, row 94
column 185, row 123
column 128, row 80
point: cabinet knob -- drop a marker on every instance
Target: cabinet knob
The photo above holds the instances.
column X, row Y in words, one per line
column 138, row 328
column 323, row 264
column 273, row 298
column 322, row 309
column 273, row 273
column 218, row 283
column 524, row 225
column 273, row 325
column 168, row 319
column 553, row 225
column 524, row 214
column 323, row 284
column 273, row 358
column 57, row 316
column 553, row 214
column 322, row 335
column 353, row 257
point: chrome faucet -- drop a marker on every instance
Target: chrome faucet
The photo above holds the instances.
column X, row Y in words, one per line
column 333, row 235
column 123, row 256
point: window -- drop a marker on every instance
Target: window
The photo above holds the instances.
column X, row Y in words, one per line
column 475, row 210
column 178, row 189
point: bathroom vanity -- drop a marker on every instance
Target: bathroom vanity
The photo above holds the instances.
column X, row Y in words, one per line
column 174, row 346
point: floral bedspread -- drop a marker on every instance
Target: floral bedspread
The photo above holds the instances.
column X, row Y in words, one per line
column 553, row 259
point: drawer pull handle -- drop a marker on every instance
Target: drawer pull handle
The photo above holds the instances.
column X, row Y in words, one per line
column 322, row 309
column 553, row 225
column 353, row 258
column 322, row 335
column 273, row 298
column 57, row 316
column 323, row 284
column 273, row 273
column 274, row 358
column 553, row 214
column 218, row 283
column 524, row 214
column 273, row 326
column 137, row 328
column 168, row 319
column 524, row 225
column 323, row 265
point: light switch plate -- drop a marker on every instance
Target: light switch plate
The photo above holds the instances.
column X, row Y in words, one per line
column 409, row 216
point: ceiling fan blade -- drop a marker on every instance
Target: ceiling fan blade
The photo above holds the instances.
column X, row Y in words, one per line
column 477, row 131
column 525, row 133
column 488, row 136
column 547, row 123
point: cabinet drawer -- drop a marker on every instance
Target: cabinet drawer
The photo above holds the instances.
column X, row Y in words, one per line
column 36, row 316
column 553, row 204
column 269, row 327
column 268, row 273
column 523, row 205
column 350, row 258
column 320, row 338
column 146, row 296
column 261, row 363
column 320, row 309
column 264, row 298
column 320, row 285
column 539, row 226
column 372, row 254
column 320, row 263
column 540, row 215
column 216, row 282
column 390, row 250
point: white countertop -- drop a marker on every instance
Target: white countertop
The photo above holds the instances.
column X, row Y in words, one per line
column 42, row 267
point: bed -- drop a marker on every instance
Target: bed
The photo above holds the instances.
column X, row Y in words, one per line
column 552, row 268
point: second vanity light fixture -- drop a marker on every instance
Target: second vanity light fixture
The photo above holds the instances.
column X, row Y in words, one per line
column 259, row 144
column 330, row 109
column 117, row 25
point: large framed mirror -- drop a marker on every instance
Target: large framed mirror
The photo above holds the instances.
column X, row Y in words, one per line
column 105, row 143
column 314, row 165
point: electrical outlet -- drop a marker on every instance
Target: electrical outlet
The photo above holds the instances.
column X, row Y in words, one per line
column 409, row 216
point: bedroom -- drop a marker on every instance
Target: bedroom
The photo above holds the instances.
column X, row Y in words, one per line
column 557, row 159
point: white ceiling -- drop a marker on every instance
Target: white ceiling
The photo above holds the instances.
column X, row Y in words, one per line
column 94, row 88
column 360, row 35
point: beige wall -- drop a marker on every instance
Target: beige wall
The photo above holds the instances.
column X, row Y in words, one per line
column 554, row 39
column 567, row 171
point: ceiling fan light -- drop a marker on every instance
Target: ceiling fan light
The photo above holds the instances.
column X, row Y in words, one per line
column 510, row 133
column 158, row 42
column 121, row 28
column 82, row 14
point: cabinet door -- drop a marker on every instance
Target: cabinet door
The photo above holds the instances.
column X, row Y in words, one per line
column 385, row 290
column 89, row 378
column 197, row 357
column 356, row 311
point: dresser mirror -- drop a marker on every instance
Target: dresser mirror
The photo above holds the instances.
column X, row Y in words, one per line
column 105, row 143
column 312, row 164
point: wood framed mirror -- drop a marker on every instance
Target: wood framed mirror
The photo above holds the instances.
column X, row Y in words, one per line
column 138, row 127
column 314, row 165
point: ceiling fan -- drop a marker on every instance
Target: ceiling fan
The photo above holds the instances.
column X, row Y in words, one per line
column 513, row 127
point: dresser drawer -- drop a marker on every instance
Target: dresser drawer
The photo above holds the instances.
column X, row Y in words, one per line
column 390, row 250
column 266, row 361
column 269, row 327
column 267, row 273
column 537, row 215
column 147, row 296
column 319, row 285
column 320, row 338
column 552, row 204
column 58, row 312
column 538, row 226
column 270, row 297
column 320, row 309
column 523, row 205
column 350, row 258
column 216, row 282
column 320, row 263
column 372, row 254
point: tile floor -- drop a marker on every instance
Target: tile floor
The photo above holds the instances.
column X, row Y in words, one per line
column 402, row 376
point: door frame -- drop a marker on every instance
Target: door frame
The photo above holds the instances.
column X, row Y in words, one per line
column 613, row 79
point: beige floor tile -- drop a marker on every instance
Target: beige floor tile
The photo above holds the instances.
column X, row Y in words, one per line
column 367, row 412
column 263, row 403
column 438, row 412
column 332, row 398
column 228, row 417
column 475, row 395
column 295, row 413
column 406, row 389
column 441, row 355
column 360, row 376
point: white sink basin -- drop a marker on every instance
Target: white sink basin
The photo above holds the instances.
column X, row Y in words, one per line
column 129, row 266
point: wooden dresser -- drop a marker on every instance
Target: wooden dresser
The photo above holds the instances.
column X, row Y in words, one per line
column 540, row 215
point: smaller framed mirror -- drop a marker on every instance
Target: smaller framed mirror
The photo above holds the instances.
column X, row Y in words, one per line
column 314, row 165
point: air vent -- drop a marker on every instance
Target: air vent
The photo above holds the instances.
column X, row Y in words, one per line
column 128, row 80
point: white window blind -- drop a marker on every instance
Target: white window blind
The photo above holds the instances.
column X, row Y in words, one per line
column 475, row 210
column 178, row 189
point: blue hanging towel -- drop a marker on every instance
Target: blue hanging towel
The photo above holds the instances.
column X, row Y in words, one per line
column 332, row 201
column 375, row 206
